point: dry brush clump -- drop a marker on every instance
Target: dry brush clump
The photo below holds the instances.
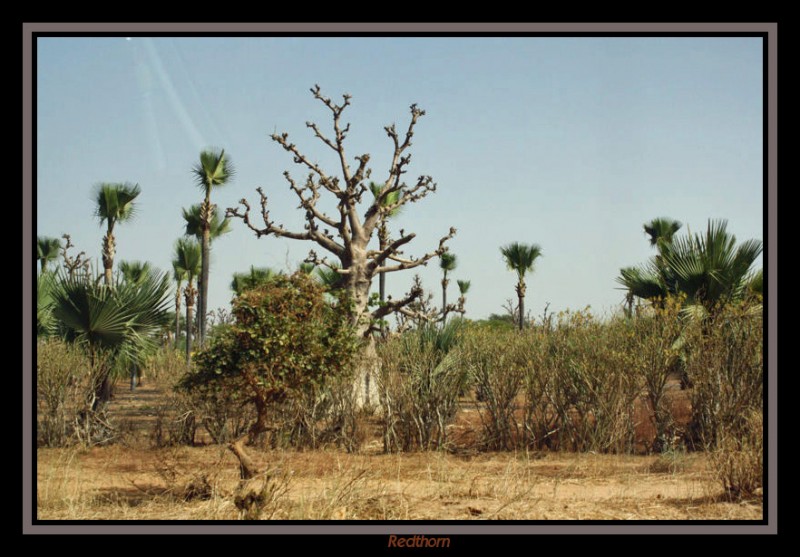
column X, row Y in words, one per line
column 579, row 390
column 726, row 367
column 497, row 367
column 66, row 383
column 421, row 376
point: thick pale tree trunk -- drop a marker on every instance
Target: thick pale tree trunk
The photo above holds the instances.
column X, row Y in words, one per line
column 521, row 295
column 357, row 283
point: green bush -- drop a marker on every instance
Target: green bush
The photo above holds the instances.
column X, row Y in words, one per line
column 287, row 340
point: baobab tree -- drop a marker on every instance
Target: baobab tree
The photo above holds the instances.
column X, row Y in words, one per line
column 346, row 234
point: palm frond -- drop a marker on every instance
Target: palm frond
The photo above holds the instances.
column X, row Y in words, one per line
column 463, row 286
column 114, row 202
column 214, row 169
column 47, row 248
column 521, row 257
column 642, row 282
column 188, row 257
column 329, row 276
column 124, row 319
column 306, row 268
column 134, row 271
column 661, row 230
column 45, row 321
column 447, row 261
column 194, row 222
column 390, row 199
column 255, row 277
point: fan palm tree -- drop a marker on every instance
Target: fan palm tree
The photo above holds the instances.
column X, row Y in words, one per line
column 656, row 277
column 661, row 231
column 47, row 250
column 114, row 203
column 193, row 221
column 256, row 277
column 521, row 258
column 188, row 261
column 463, row 288
column 447, row 263
column 134, row 271
column 709, row 269
column 390, row 200
column 193, row 218
column 178, row 275
column 213, row 171
column 124, row 320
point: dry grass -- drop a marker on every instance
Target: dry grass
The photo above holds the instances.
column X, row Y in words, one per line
column 125, row 483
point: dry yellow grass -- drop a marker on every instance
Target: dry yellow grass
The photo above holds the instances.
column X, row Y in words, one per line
column 127, row 483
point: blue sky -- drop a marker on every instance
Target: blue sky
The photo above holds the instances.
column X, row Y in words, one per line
column 570, row 143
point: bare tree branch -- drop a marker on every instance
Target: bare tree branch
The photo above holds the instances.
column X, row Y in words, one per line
column 345, row 235
column 323, row 262
column 411, row 263
column 312, row 231
column 310, row 204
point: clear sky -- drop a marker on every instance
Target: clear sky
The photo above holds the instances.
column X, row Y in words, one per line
column 570, row 143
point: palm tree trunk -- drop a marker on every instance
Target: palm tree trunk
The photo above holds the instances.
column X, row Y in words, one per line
column 108, row 253
column 189, row 292
column 203, row 302
column 189, row 316
column 521, row 295
column 177, row 315
column 444, row 298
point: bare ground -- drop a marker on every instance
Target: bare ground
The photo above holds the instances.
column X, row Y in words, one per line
column 129, row 481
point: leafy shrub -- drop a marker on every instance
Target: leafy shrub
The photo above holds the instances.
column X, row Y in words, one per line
column 287, row 340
